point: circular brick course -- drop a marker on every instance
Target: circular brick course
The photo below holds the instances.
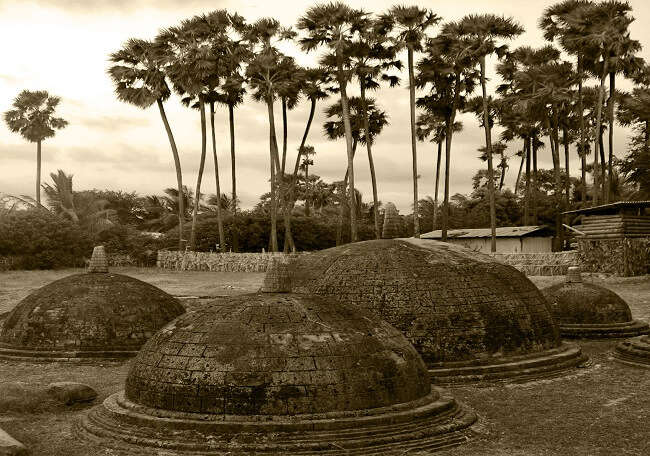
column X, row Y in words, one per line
column 276, row 354
column 86, row 316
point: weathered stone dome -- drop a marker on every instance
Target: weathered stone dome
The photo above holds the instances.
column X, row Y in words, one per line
column 591, row 311
column 278, row 373
column 92, row 315
column 469, row 316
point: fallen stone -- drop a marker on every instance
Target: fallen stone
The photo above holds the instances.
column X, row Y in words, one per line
column 10, row 446
column 71, row 392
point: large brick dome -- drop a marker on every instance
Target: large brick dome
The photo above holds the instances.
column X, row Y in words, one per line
column 277, row 373
column 591, row 311
column 92, row 315
column 469, row 316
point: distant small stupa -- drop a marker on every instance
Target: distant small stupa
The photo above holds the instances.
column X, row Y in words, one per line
column 98, row 262
column 391, row 229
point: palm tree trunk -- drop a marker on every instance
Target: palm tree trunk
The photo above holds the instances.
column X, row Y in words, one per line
column 521, row 167
column 339, row 232
column 371, row 163
column 291, row 201
column 552, row 132
column 611, row 102
column 527, row 193
column 488, row 148
column 503, row 173
column 448, row 138
column 603, row 166
column 435, row 190
column 235, row 227
column 38, row 174
column 599, row 105
column 581, row 123
column 307, row 211
column 416, row 212
column 533, row 190
column 567, row 183
column 273, row 239
column 348, row 141
column 222, row 237
column 284, row 133
column 197, row 195
column 179, row 175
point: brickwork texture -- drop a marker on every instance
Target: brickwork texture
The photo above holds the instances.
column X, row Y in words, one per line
column 218, row 262
column 276, row 354
column 452, row 304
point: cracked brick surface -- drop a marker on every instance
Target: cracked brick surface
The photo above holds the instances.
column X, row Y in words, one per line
column 453, row 304
column 276, row 354
column 89, row 312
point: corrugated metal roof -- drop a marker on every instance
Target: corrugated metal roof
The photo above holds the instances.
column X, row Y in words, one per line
column 604, row 207
column 503, row 231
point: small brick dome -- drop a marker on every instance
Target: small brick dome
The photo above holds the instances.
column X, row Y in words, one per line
column 276, row 354
column 278, row 373
column 93, row 315
column 589, row 310
column 463, row 311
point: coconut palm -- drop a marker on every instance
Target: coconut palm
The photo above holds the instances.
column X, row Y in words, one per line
column 140, row 80
column 33, row 118
column 307, row 161
column 448, row 70
column 335, row 25
column 268, row 73
column 408, row 26
column 484, row 31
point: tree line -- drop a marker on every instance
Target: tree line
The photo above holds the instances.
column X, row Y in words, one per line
column 216, row 59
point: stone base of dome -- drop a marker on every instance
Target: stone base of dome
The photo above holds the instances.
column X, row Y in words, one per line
column 634, row 351
column 604, row 331
column 52, row 356
column 427, row 424
column 521, row 368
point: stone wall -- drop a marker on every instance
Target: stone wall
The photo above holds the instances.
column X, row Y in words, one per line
column 624, row 257
column 540, row 264
column 218, row 262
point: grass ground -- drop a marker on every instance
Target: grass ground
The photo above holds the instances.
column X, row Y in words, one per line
column 600, row 410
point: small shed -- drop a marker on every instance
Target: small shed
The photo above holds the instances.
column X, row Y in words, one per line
column 623, row 219
column 510, row 239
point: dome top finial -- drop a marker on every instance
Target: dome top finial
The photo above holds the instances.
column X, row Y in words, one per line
column 98, row 262
column 574, row 275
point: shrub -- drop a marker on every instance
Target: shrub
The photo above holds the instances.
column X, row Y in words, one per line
column 38, row 239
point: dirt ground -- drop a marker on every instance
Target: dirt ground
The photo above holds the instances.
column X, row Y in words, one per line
column 603, row 409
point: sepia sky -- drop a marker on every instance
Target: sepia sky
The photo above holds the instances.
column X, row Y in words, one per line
column 62, row 46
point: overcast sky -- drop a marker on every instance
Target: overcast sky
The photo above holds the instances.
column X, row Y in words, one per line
column 62, row 46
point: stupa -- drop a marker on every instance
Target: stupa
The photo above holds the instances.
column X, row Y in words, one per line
column 635, row 351
column 278, row 373
column 93, row 315
column 470, row 317
column 586, row 310
column 391, row 228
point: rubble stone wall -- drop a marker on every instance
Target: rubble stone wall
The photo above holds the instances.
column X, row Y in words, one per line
column 219, row 262
column 540, row 264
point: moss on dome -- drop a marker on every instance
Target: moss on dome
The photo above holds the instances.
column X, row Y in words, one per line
column 100, row 315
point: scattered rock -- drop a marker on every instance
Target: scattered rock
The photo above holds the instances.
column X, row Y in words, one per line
column 71, row 392
column 10, row 446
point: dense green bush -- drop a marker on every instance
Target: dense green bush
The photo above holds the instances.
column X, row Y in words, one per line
column 125, row 240
column 37, row 239
column 309, row 233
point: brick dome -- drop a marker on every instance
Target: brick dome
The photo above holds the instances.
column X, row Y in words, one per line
column 276, row 373
column 93, row 315
column 589, row 310
column 469, row 316
column 635, row 351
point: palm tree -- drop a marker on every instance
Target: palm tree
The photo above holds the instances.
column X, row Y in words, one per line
column 139, row 80
column 432, row 124
column 268, row 73
column 307, row 161
column 335, row 25
column 408, row 25
column 483, row 31
column 33, row 117
column 557, row 23
column 448, row 68
column 634, row 110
